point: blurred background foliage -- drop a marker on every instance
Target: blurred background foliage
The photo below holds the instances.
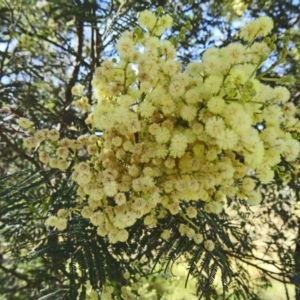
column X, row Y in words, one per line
column 48, row 46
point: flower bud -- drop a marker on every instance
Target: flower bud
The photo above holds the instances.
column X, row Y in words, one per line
column 287, row 80
column 274, row 38
column 159, row 10
column 285, row 39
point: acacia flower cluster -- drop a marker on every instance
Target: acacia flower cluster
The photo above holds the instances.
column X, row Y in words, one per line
column 163, row 134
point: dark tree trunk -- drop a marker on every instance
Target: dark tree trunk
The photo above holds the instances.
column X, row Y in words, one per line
column 297, row 264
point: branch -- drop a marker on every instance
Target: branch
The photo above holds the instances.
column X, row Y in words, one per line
column 68, row 94
column 13, row 272
column 68, row 50
column 271, row 274
column 21, row 153
column 12, row 29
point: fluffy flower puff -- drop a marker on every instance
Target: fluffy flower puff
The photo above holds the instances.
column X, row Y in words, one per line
column 113, row 236
column 170, row 67
column 166, row 21
column 280, row 94
column 265, row 25
column 30, row 142
column 102, row 121
column 163, row 23
column 234, row 52
column 147, row 19
column 211, row 53
column 53, row 163
column 191, row 212
column 123, row 235
column 107, row 68
column 209, row 245
column 62, row 152
column 83, row 167
column 269, row 135
column 176, row 89
column 133, row 125
column 259, row 51
column 212, row 85
column 150, row 221
column 198, row 238
column 249, row 31
column 86, row 212
column 265, row 174
column 59, row 223
column 250, row 138
column 236, row 77
column 152, row 43
column 254, row 158
column 227, row 139
column 239, row 122
column 51, row 221
column 183, row 78
column 192, row 96
column 125, row 47
column 216, row 105
column 259, row 27
column 25, row 123
column 197, row 128
column 97, row 218
column 44, row 157
column 125, row 101
column 188, row 113
column 169, row 50
column 195, row 69
column 158, row 95
column 211, row 153
column 248, row 184
column 254, row 198
column 77, row 90
column 53, row 135
column 289, row 109
column 165, row 235
column 213, row 65
column 62, row 164
column 292, row 150
column 178, row 145
column 272, row 114
column 148, row 66
column 110, row 188
column 120, row 199
column 214, row 126
column 40, row 135
column 82, row 178
column 124, row 220
column 163, row 135
column 168, row 106
column 272, row 156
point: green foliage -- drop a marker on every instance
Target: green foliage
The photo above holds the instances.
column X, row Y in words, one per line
column 78, row 255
